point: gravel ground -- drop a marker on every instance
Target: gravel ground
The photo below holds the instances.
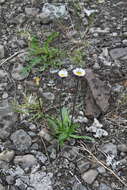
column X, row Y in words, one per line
column 93, row 36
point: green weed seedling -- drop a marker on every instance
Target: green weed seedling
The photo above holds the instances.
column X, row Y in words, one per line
column 31, row 107
column 42, row 56
column 63, row 128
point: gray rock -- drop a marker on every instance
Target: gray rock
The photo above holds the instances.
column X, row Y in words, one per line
column 2, row 1
column 10, row 179
column 124, row 42
column 7, row 155
column 101, row 170
column 5, row 95
column 109, row 148
column 31, row 11
column 48, row 95
column 41, row 180
column 83, row 165
column 5, row 129
column 103, row 186
column 96, row 66
column 2, row 86
column 52, row 12
column 40, row 156
column 26, row 161
column 2, row 187
column 17, row 72
column 4, row 165
column 118, row 53
column 78, row 186
column 99, row 30
column 89, row 176
column 16, row 171
column 1, row 52
column 53, row 154
column 122, row 147
column 100, row 94
column 2, row 73
column 7, row 119
column 70, row 152
column 21, row 140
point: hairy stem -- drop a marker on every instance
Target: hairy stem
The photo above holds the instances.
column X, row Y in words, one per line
column 74, row 102
column 60, row 102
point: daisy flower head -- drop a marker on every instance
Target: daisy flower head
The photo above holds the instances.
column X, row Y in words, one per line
column 63, row 73
column 79, row 72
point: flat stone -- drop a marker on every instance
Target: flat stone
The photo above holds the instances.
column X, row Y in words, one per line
column 101, row 170
column 48, row 95
column 41, row 180
column 39, row 156
column 122, row 147
column 109, row 148
column 7, row 155
column 52, row 12
column 2, row 73
column 117, row 53
column 90, row 176
column 31, row 11
column 21, row 140
column 5, row 95
column 97, row 97
column 26, row 161
column 83, row 165
column 1, row 52
column 103, row 186
column 10, row 179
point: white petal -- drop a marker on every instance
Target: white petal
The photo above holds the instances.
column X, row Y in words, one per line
column 63, row 73
column 79, row 72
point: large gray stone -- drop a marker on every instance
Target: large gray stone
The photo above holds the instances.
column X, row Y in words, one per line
column 89, row 176
column 52, row 12
column 21, row 140
column 26, row 161
column 117, row 53
column 7, row 155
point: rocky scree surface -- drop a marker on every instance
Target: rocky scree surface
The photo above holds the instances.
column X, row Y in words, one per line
column 29, row 156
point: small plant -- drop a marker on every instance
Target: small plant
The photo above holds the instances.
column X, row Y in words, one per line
column 63, row 128
column 40, row 55
column 31, row 107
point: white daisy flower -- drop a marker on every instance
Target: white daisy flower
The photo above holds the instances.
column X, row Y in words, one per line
column 63, row 73
column 79, row 72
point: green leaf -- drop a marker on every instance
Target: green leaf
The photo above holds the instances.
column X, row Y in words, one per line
column 62, row 137
column 65, row 116
column 82, row 137
column 53, row 124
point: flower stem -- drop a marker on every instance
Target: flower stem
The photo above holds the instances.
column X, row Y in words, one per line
column 60, row 102
column 74, row 102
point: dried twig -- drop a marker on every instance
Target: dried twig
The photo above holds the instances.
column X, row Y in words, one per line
column 9, row 58
column 83, row 146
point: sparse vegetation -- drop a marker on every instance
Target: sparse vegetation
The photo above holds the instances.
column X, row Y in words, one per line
column 42, row 56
